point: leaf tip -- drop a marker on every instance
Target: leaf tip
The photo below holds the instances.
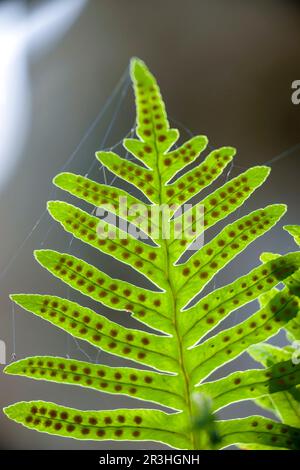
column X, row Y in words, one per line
column 55, row 208
column 58, row 179
column 139, row 71
column 12, row 411
column 16, row 298
column 42, row 256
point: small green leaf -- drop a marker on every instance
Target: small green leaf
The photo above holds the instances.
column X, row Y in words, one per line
column 215, row 207
column 152, row 122
column 286, row 403
column 149, row 307
column 251, row 384
column 140, row 177
column 260, row 431
column 192, row 182
column 193, row 275
column 94, row 328
column 136, row 383
column 115, row 200
column 213, row 308
column 116, row 425
column 293, row 230
column 228, row 344
column 140, row 256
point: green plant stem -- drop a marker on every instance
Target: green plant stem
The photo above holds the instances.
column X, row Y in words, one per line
column 170, row 288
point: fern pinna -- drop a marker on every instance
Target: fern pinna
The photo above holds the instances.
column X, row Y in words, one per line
column 285, row 403
column 179, row 362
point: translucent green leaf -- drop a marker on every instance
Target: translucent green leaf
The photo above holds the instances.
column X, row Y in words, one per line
column 293, row 281
column 152, row 122
column 293, row 230
column 144, row 385
column 228, row 344
column 198, row 178
column 215, row 207
column 175, row 160
column 266, row 403
column 150, row 307
column 83, row 323
column 141, row 178
column 160, row 174
column 268, row 354
column 193, row 275
column 117, row 425
column 115, row 200
column 293, row 284
column 286, row 403
column 260, row 431
column 251, row 384
column 213, row 308
column 120, row 245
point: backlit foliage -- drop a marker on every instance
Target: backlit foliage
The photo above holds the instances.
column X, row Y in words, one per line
column 285, row 402
column 177, row 352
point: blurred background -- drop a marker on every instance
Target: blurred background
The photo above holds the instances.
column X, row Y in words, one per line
column 225, row 69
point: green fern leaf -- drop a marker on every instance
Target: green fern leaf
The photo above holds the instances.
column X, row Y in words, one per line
column 252, row 384
column 286, row 403
column 260, row 432
column 123, row 424
column 179, row 364
column 85, row 324
column 215, row 207
column 198, row 320
column 294, row 230
column 144, row 385
column 100, row 194
column 125, row 248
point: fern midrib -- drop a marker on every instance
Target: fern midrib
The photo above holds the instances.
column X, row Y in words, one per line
column 163, row 243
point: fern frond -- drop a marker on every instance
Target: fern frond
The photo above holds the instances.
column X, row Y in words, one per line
column 228, row 344
column 285, row 404
column 148, row 306
column 178, row 270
